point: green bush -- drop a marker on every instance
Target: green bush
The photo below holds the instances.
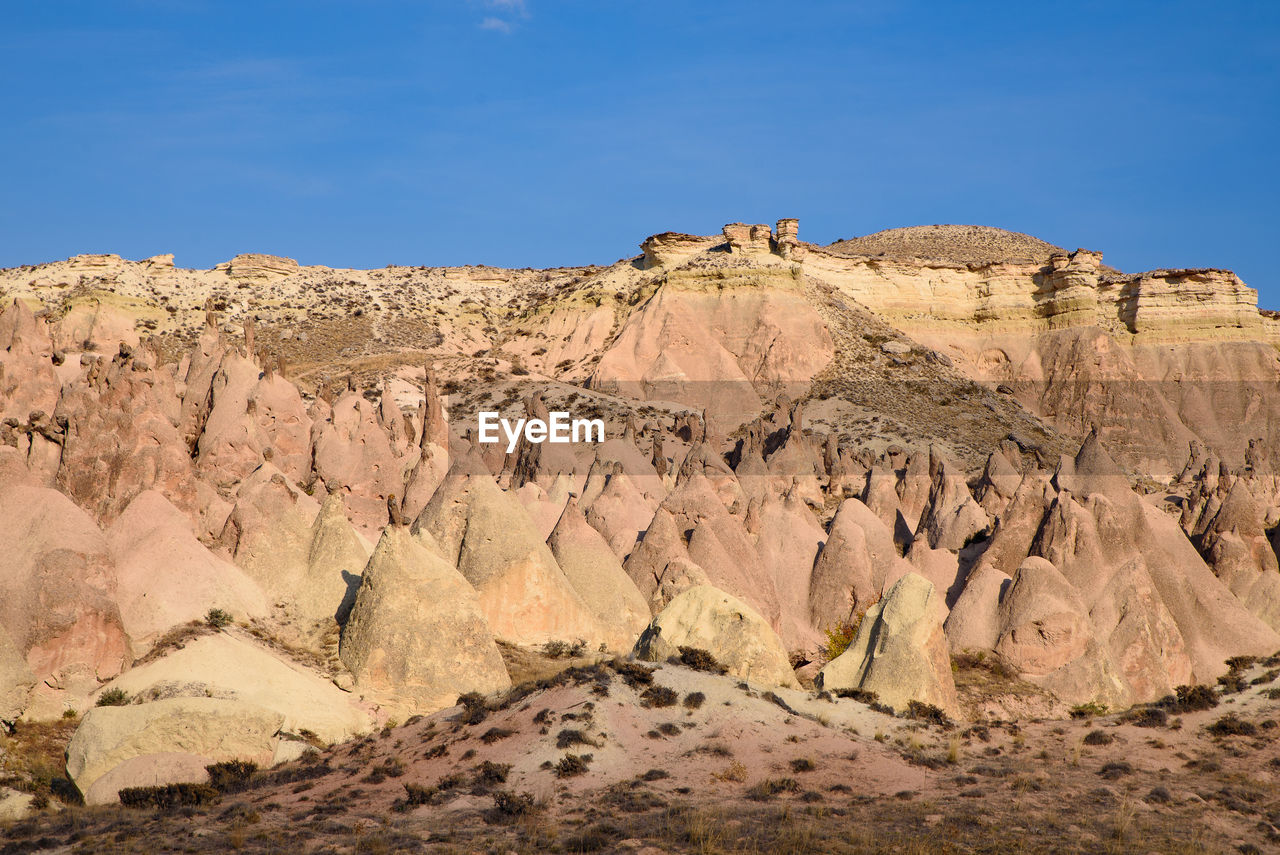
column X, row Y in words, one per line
column 113, row 698
column 217, row 618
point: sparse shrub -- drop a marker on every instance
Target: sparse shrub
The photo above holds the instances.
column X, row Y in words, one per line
column 770, row 788
column 570, row 737
column 694, row 700
column 493, row 734
column 414, row 796
column 1231, row 725
column 658, row 696
column 217, row 618
column 593, row 839
column 563, row 649
column 168, row 796
column 978, row 660
column 1116, row 769
column 1098, row 737
column 701, row 660
column 69, row 714
column 839, row 639
column 669, row 729
column 1192, row 699
column 473, row 708
column 1089, row 710
column 655, row 775
column 862, row 696
column 735, row 772
column 633, row 674
column 489, row 773
column 1146, row 717
column 1240, row 663
column 921, row 711
column 1232, row 683
column 1265, row 677
column 232, row 776
column 509, row 803
column 802, row 764
column 571, row 765
column 113, row 698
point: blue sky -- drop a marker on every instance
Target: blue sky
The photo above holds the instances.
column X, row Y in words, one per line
column 532, row 132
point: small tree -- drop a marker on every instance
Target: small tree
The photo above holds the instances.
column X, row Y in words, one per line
column 217, row 618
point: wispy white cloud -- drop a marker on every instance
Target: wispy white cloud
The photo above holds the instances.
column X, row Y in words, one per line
column 503, row 15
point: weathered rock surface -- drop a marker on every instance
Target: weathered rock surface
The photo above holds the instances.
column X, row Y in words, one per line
column 524, row 594
column 1045, row 634
column 212, row 729
column 706, row 618
column 417, row 637
column 232, row 668
column 900, row 651
column 595, row 573
column 166, row 577
column 16, row 679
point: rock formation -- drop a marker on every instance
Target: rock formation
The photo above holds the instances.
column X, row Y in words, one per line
column 705, row 618
column 900, row 651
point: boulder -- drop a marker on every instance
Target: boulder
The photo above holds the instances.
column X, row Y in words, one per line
column 224, row 666
column 900, row 651
column 213, row 729
column 417, row 637
column 736, row 635
column 15, row 805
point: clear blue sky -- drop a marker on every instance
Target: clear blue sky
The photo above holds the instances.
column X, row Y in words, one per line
column 542, row 133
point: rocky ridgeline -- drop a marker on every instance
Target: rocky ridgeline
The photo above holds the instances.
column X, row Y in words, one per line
column 210, row 540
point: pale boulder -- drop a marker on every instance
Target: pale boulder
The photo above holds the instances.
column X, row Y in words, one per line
column 211, row 728
column 707, row 618
column 225, row 666
column 900, row 651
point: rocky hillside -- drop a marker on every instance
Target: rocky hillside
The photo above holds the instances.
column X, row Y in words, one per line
column 250, row 517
